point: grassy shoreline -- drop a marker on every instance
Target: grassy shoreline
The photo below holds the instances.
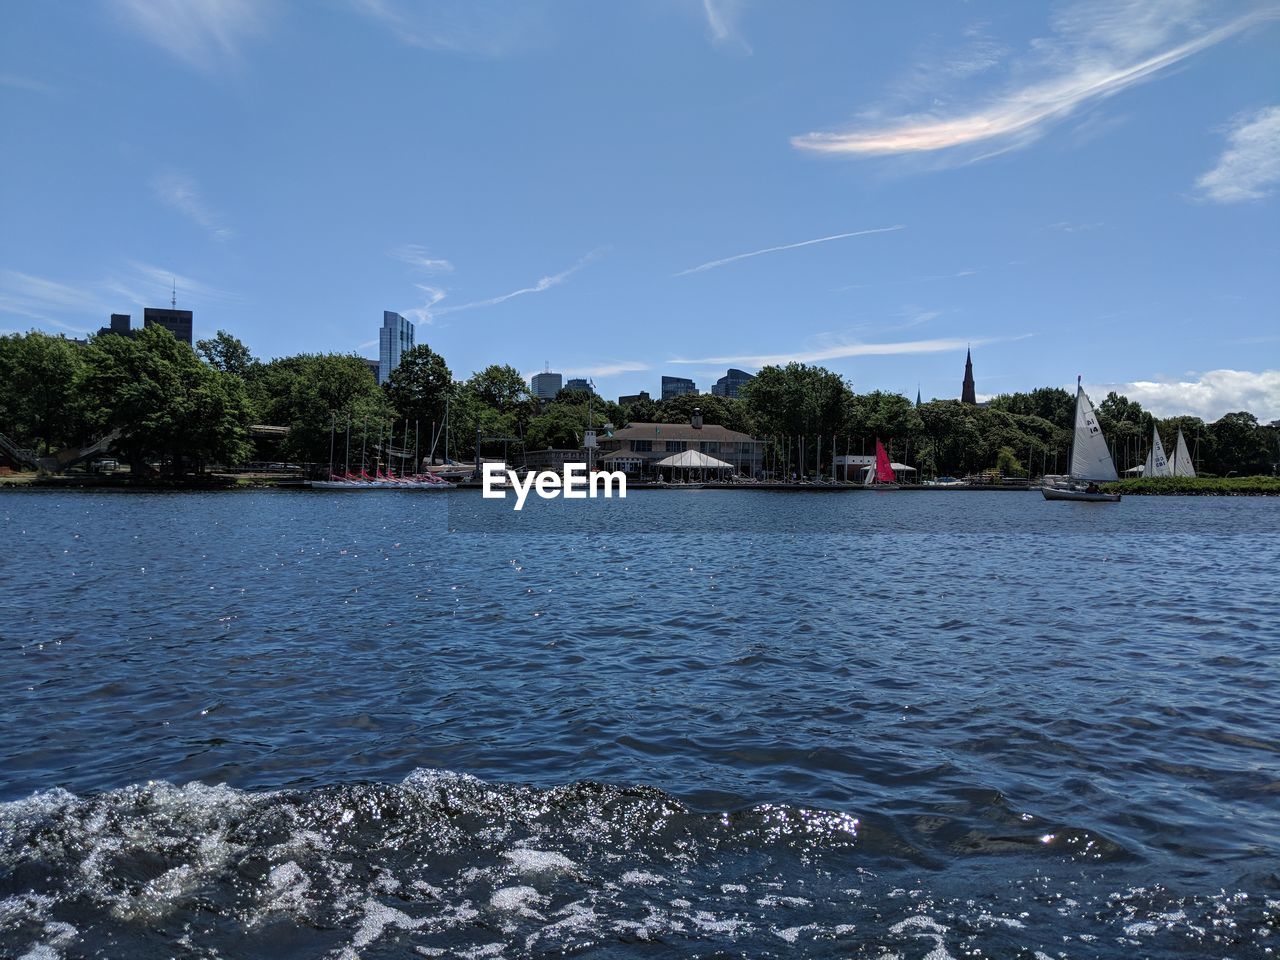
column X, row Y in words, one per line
column 1197, row 487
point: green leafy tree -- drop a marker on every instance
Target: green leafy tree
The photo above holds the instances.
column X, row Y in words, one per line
column 1007, row 463
column 884, row 416
column 166, row 404
column 1240, row 446
column 797, row 399
column 639, row 411
column 420, row 386
column 226, row 353
column 39, row 396
column 721, row 411
column 1049, row 403
column 316, row 395
column 500, row 386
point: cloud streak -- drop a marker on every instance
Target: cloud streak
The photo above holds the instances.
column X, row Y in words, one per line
column 840, row 351
column 39, row 298
column 179, row 193
column 541, row 286
column 489, row 28
column 1213, row 394
column 712, row 264
column 1250, row 165
column 722, row 21
column 611, row 369
column 418, row 256
column 206, row 34
column 1098, row 52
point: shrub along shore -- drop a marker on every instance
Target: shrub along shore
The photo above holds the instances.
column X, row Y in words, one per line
column 1197, row 487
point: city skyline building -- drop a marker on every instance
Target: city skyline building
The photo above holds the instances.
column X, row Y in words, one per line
column 577, row 383
column 546, row 385
column 177, row 322
column 731, row 383
column 395, row 339
column 677, row 387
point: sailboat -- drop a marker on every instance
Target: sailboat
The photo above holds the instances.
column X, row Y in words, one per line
column 1091, row 461
column 883, row 478
column 1182, row 464
column 1157, row 464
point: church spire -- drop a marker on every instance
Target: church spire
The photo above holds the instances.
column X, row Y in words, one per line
column 967, row 392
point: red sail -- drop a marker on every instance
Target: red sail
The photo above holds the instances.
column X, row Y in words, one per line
column 884, row 471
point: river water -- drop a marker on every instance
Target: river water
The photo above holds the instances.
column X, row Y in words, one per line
column 686, row 724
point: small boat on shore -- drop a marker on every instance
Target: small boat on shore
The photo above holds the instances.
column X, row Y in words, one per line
column 1091, row 461
column 381, row 482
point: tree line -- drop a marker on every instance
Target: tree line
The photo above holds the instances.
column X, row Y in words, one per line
column 178, row 410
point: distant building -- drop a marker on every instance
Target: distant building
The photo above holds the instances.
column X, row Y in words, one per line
column 395, row 339
column 546, row 385
column 375, row 367
column 677, row 387
column 577, row 383
column 119, row 326
column 967, row 394
column 731, row 383
column 627, row 399
column 637, row 447
column 177, row 322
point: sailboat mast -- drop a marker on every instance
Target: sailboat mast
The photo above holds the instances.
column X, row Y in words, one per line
column 1071, row 454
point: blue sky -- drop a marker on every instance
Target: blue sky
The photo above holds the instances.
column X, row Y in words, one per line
column 674, row 186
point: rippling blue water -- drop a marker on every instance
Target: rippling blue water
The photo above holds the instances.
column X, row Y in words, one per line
column 927, row 725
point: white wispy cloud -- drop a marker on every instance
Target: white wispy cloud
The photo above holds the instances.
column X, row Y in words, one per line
column 148, row 285
column 418, row 256
column 424, row 313
column 541, row 286
column 957, row 275
column 1096, row 50
column 489, row 28
column 722, row 21
column 49, row 301
column 611, row 368
column 207, row 34
column 839, row 351
column 1209, row 396
column 712, row 264
column 15, row 82
column 1250, row 165
column 180, row 193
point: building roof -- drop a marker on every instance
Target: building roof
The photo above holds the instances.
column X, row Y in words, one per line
column 693, row 460
column 679, row 431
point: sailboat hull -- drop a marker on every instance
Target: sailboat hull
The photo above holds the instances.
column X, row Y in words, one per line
column 1083, row 496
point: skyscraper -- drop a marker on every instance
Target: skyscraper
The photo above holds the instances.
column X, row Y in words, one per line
column 546, row 385
column 394, row 340
column 677, row 387
column 967, row 394
column 731, row 383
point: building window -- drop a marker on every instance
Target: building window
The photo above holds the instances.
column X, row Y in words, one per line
column 675, row 446
column 642, row 446
column 710, row 446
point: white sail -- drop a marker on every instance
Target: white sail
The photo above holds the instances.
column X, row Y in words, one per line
column 1157, row 464
column 1090, row 458
column 1182, row 465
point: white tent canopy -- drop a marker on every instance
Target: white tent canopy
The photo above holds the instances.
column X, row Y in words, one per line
column 693, row 460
